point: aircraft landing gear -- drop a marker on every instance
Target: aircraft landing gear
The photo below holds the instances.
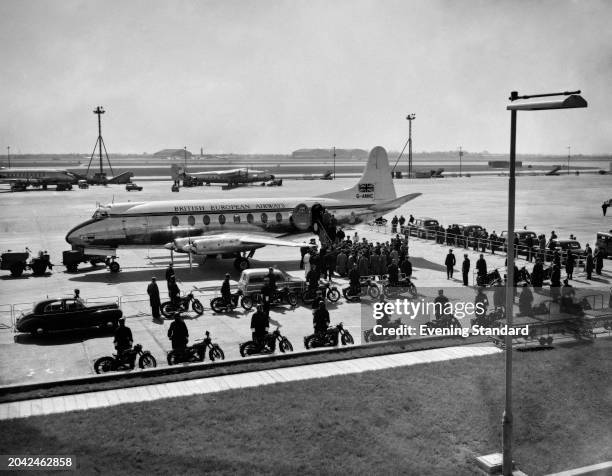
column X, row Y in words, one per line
column 242, row 263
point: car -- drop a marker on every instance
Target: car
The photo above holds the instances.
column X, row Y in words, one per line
column 68, row 313
column 604, row 243
column 252, row 280
column 132, row 186
column 83, row 183
column 564, row 245
column 522, row 239
column 426, row 227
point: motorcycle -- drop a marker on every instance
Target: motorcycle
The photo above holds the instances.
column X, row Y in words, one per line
column 125, row 361
column 329, row 338
column 492, row 319
column 443, row 322
column 267, row 345
column 328, row 291
column 197, row 352
column 404, row 286
column 368, row 287
column 168, row 308
column 283, row 296
column 219, row 305
column 370, row 336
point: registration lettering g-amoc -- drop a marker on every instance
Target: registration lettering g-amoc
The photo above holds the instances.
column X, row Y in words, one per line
column 229, row 207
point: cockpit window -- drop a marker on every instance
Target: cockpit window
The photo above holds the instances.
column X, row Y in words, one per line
column 100, row 213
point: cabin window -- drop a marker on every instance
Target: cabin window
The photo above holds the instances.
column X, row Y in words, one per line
column 206, row 220
column 175, row 221
column 191, row 220
column 236, row 218
column 222, row 219
column 264, row 218
column 279, row 217
column 250, row 218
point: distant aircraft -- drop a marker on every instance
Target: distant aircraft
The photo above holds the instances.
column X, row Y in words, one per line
column 326, row 176
column 21, row 178
column 554, row 171
column 101, row 178
column 235, row 228
column 231, row 177
column 429, row 174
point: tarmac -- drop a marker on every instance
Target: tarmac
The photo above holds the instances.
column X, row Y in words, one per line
column 40, row 220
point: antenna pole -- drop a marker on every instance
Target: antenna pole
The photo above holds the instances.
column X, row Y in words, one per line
column 334, row 162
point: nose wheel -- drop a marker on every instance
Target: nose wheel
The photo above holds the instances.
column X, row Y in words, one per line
column 242, row 263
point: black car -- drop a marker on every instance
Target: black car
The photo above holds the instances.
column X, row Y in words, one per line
column 68, row 313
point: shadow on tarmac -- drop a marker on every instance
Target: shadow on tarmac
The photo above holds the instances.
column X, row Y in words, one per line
column 63, row 337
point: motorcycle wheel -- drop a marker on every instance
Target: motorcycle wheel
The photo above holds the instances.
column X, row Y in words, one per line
column 374, row 291
column 367, row 335
column 292, row 299
column 104, row 364
column 216, row 353
column 217, row 305
column 347, row 338
column 285, row 345
column 147, row 361
column 197, row 307
column 248, row 348
column 309, row 342
column 247, row 303
column 307, row 297
column 412, row 290
column 173, row 358
column 168, row 309
column 455, row 323
column 333, row 295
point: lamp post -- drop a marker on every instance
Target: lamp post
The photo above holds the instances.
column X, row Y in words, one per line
column 572, row 100
column 8, row 155
column 460, row 157
column 569, row 151
column 410, row 118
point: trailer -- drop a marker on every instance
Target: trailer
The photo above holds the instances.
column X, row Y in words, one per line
column 72, row 258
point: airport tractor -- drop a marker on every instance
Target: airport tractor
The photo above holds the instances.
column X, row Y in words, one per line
column 17, row 261
column 72, row 258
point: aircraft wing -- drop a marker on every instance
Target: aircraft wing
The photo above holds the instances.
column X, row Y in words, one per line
column 256, row 239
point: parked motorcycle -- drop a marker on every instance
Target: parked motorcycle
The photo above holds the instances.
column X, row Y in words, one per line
column 168, row 308
column 219, row 305
column 197, row 352
column 283, row 296
column 444, row 321
column 404, row 287
column 370, row 336
column 492, row 319
column 329, row 338
column 328, row 292
column 267, row 345
column 125, row 361
column 368, row 287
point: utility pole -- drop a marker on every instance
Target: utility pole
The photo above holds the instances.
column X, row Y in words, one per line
column 8, row 155
column 410, row 118
column 185, row 154
column 99, row 111
column 334, row 162
column 569, row 148
column 99, row 177
column 460, row 157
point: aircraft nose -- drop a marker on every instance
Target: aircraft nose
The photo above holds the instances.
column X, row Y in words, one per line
column 170, row 246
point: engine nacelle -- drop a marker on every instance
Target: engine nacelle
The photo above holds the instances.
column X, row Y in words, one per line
column 206, row 245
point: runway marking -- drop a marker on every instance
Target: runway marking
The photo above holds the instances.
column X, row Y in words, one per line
column 106, row 398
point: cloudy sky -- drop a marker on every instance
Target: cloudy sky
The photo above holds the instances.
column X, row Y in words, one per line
column 274, row 76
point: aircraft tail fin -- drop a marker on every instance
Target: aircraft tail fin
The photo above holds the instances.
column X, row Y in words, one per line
column 375, row 182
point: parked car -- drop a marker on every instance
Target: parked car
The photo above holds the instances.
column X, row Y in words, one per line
column 522, row 240
column 426, row 227
column 132, row 186
column 252, row 280
column 604, row 243
column 564, row 245
column 83, row 183
column 68, row 313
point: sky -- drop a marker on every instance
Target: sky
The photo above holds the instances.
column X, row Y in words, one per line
column 273, row 76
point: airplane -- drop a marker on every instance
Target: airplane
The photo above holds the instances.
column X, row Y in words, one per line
column 235, row 228
column 21, row 178
column 231, row 177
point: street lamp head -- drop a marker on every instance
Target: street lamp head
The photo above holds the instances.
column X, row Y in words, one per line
column 570, row 102
column 410, row 117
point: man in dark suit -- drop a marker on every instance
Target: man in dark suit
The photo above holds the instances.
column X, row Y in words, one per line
column 450, row 262
column 465, row 269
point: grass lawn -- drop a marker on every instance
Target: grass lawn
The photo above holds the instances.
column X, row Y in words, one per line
column 425, row 419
